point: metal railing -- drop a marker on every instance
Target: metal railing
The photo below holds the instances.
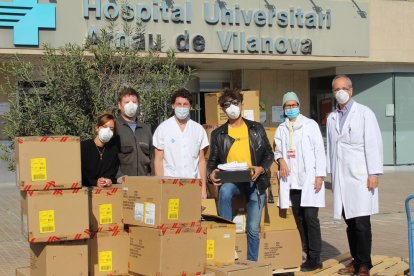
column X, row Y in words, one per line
column 410, row 232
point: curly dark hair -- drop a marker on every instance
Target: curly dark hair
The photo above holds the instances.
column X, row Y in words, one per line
column 234, row 94
column 182, row 93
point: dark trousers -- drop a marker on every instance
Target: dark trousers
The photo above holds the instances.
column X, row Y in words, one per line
column 308, row 225
column 360, row 240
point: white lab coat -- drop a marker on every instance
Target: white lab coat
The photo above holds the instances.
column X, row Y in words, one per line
column 312, row 162
column 352, row 155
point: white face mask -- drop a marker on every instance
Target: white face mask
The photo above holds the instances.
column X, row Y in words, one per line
column 182, row 112
column 233, row 112
column 341, row 96
column 131, row 109
column 105, row 134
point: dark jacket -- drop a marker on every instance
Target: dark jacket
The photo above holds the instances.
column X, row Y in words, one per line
column 260, row 149
column 135, row 150
column 93, row 167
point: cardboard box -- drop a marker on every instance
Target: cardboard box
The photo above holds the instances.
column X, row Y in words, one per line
column 274, row 179
column 55, row 215
column 168, row 251
column 280, row 249
column 209, row 129
column 61, row 258
column 234, row 176
column 50, row 162
column 105, row 208
column 208, row 207
column 216, row 116
column 270, row 133
column 108, row 253
column 239, row 205
column 221, row 240
column 241, row 268
column 23, row 271
column 159, row 202
column 274, row 218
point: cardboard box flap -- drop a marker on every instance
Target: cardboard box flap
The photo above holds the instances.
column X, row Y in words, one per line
column 162, row 179
column 214, row 218
column 208, row 206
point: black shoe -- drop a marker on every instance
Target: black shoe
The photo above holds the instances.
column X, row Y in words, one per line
column 310, row 266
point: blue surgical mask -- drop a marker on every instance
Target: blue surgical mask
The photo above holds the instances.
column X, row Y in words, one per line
column 292, row 113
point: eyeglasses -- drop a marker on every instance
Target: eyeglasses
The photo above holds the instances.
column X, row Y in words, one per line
column 232, row 102
column 290, row 106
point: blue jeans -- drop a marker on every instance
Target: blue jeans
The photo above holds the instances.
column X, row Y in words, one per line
column 253, row 216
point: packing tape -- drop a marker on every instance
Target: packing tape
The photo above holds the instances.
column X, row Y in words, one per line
column 49, row 184
column 78, row 236
column 20, row 140
column 75, row 185
column 115, row 228
column 115, row 233
column 64, row 139
column 44, row 139
column 27, row 187
column 57, row 192
column 53, row 239
column 30, row 193
column 75, row 191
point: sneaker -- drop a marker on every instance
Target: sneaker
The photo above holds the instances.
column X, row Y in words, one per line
column 233, row 166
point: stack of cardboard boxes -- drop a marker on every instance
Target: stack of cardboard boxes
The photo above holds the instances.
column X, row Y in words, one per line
column 71, row 230
column 221, row 245
column 166, row 236
column 55, row 218
column 109, row 242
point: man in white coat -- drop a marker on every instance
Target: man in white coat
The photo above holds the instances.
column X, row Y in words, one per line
column 300, row 154
column 355, row 160
column 180, row 142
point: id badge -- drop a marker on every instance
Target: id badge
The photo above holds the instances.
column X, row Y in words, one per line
column 291, row 153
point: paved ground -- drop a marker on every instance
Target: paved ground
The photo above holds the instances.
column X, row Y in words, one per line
column 389, row 227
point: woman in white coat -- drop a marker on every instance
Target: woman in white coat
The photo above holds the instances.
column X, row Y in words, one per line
column 301, row 156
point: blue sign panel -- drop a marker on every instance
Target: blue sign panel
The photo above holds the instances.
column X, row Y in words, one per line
column 26, row 17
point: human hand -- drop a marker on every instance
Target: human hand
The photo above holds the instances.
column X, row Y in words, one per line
column 283, row 169
column 216, row 181
column 257, row 171
column 318, row 183
column 372, row 182
column 101, row 182
column 121, row 179
column 203, row 194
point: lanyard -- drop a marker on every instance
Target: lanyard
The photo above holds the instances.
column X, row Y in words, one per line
column 290, row 134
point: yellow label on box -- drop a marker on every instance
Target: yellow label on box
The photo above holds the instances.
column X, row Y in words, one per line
column 173, row 207
column 38, row 169
column 47, row 221
column 105, row 261
column 105, row 213
column 210, row 249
